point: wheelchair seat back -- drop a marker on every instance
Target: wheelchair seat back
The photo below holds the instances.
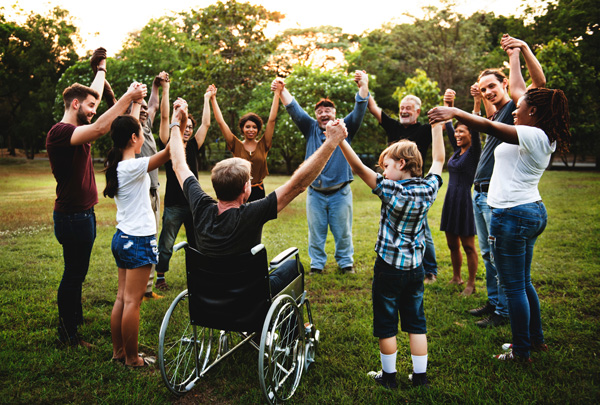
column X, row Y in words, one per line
column 228, row 292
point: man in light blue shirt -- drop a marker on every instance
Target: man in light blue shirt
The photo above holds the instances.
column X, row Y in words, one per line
column 329, row 198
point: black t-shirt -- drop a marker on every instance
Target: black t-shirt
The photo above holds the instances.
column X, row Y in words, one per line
column 418, row 133
column 173, row 194
column 236, row 230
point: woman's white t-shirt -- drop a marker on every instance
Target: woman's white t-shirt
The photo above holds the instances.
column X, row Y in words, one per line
column 135, row 216
column 518, row 168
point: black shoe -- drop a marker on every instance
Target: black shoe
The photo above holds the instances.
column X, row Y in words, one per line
column 315, row 271
column 387, row 380
column 349, row 270
column 492, row 321
column 487, row 309
column 419, row 379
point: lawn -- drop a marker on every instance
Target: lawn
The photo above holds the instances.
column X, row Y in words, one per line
column 565, row 271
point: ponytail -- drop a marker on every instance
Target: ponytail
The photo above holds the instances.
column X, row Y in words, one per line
column 121, row 130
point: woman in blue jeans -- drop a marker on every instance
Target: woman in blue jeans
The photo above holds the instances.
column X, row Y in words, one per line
column 518, row 214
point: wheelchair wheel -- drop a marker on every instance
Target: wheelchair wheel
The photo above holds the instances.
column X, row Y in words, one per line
column 281, row 354
column 177, row 347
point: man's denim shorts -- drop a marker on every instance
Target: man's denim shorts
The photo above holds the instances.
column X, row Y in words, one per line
column 131, row 252
column 397, row 292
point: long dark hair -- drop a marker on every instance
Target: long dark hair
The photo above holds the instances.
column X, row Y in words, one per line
column 121, row 130
column 552, row 114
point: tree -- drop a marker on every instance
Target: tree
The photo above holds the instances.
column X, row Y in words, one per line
column 321, row 47
column 565, row 70
column 308, row 86
column 33, row 56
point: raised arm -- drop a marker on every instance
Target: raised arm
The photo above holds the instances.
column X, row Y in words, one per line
column 355, row 118
column 98, row 64
column 309, row 170
column 153, row 101
column 180, row 167
column 504, row 132
column 438, row 151
column 374, row 108
column 286, row 97
column 165, row 84
column 203, row 130
column 270, row 128
column 362, row 81
column 538, row 79
column 358, row 167
column 227, row 134
column 89, row 133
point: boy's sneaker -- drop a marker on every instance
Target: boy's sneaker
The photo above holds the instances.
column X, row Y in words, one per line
column 487, row 309
column 387, row 380
column 493, row 320
column 536, row 347
column 510, row 356
column 419, row 380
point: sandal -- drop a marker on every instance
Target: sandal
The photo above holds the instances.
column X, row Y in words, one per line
column 148, row 361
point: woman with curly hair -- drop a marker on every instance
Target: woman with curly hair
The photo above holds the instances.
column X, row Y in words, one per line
column 518, row 213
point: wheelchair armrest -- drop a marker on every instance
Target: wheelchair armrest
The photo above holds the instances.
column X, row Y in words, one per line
column 257, row 249
column 180, row 245
column 281, row 257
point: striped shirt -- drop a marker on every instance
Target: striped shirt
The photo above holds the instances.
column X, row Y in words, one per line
column 404, row 205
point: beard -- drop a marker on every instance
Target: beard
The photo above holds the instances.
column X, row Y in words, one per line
column 82, row 118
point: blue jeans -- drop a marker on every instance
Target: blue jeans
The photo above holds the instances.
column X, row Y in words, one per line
column 173, row 218
column 513, row 233
column 429, row 259
column 283, row 275
column 335, row 211
column 483, row 216
column 76, row 233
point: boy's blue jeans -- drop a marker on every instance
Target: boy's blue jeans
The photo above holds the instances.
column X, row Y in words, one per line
column 513, row 233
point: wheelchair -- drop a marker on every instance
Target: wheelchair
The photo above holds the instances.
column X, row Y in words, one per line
column 227, row 304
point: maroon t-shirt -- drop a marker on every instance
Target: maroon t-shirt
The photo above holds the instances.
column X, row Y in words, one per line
column 73, row 170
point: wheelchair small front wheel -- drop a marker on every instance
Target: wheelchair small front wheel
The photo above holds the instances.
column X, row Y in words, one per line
column 281, row 353
column 177, row 347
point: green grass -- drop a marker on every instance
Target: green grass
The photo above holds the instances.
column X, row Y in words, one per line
column 566, row 272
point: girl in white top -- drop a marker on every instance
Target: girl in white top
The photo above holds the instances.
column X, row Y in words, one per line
column 134, row 244
column 518, row 214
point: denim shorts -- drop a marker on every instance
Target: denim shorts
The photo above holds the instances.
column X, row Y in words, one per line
column 397, row 292
column 131, row 252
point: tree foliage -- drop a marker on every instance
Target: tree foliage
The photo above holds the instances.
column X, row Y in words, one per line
column 33, row 56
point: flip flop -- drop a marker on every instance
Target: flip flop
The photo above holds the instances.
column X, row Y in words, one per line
column 148, row 361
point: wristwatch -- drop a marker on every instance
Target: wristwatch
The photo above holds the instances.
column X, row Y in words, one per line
column 174, row 124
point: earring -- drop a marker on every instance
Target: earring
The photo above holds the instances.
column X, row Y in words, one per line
column 530, row 114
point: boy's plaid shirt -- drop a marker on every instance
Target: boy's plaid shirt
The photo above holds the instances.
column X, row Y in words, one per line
column 404, row 205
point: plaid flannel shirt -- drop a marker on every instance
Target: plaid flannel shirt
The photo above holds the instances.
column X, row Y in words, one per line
column 404, row 205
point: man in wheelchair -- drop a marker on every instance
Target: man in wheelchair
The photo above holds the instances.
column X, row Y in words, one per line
column 230, row 226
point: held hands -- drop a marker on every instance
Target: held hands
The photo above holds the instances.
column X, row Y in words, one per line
column 361, row 78
column 137, row 91
column 211, row 91
column 180, row 112
column 336, row 131
column 475, row 92
column 440, row 114
column 161, row 79
column 98, row 60
column 277, row 85
column 511, row 45
column 449, row 96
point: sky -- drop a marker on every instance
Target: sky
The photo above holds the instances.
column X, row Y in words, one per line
column 107, row 22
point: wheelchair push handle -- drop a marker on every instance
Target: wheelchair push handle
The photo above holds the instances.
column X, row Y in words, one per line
column 179, row 246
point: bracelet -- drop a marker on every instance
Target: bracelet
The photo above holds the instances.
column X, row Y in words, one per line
column 477, row 113
column 101, row 69
column 174, row 124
